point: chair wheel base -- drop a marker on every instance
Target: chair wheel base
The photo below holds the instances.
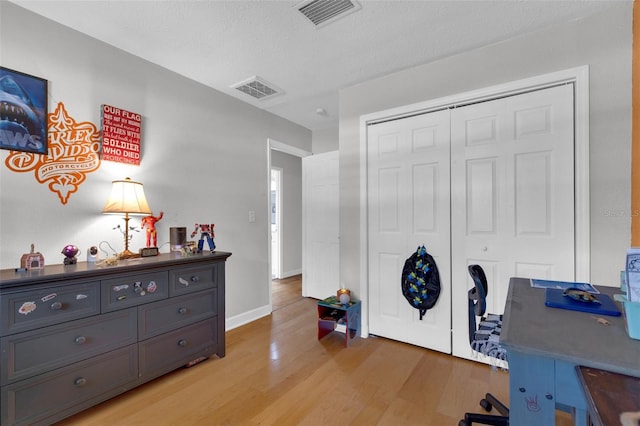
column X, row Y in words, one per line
column 486, row 405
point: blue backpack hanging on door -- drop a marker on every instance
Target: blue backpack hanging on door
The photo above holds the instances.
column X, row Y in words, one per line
column 421, row 281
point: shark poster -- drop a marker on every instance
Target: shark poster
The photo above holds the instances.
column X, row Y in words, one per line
column 23, row 112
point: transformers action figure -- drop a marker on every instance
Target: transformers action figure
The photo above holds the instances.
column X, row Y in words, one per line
column 206, row 230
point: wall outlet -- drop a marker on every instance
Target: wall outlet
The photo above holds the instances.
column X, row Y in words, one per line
column 252, row 216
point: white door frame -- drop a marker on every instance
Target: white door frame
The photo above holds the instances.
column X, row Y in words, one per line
column 579, row 76
column 275, row 145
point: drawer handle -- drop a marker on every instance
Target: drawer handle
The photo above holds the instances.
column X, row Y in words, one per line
column 56, row 306
column 182, row 343
column 80, row 381
column 182, row 311
column 80, row 340
column 195, row 278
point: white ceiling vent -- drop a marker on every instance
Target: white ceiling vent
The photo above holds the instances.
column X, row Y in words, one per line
column 257, row 88
column 323, row 12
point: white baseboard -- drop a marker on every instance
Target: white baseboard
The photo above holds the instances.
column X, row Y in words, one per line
column 247, row 317
column 291, row 273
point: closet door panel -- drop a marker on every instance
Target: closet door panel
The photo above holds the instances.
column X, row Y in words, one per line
column 408, row 206
column 513, row 174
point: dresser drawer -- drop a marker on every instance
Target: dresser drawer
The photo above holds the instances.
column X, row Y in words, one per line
column 189, row 280
column 60, row 393
column 28, row 309
column 166, row 315
column 174, row 349
column 133, row 290
column 37, row 351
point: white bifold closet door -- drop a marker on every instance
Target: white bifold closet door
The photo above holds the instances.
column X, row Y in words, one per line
column 490, row 183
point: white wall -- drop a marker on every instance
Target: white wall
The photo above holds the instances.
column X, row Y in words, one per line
column 325, row 140
column 204, row 156
column 602, row 41
column 291, row 211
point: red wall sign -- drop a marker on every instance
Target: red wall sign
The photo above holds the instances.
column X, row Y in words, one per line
column 120, row 135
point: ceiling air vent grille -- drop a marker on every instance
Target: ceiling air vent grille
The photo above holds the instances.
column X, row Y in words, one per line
column 257, row 88
column 322, row 12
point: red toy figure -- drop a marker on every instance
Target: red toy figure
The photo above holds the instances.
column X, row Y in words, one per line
column 206, row 230
column 150, row 223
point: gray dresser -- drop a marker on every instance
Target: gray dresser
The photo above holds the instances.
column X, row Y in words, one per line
column 74, row 336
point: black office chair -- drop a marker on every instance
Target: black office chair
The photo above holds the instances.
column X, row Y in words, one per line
column 485, row 338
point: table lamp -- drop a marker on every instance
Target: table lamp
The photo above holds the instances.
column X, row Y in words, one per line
column 127, row 197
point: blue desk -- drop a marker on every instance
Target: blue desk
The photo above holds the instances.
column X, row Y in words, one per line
column 544, row 345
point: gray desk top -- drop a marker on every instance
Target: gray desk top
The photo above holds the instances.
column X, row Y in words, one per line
column 533, row 328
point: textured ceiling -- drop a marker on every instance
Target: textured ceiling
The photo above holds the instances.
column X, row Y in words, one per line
column 221, row 43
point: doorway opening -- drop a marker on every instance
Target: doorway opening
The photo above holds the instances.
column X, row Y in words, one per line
column 276, row 245
column 276, row 220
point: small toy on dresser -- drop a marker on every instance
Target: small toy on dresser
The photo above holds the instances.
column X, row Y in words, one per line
column 32, row 260
column 149, row 222
column 70, row 251
column 206, row 231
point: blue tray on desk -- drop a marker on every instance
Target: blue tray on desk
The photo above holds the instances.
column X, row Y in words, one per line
column 555, row 298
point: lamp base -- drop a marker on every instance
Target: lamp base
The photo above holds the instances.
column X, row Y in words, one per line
column 128, row 254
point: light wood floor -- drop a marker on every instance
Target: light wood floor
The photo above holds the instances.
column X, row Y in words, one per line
column 276, row 372
column 286, row 291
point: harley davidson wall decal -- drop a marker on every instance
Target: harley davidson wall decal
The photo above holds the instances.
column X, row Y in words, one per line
column 73, row 153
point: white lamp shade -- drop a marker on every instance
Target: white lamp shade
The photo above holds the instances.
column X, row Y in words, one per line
column 127, row 196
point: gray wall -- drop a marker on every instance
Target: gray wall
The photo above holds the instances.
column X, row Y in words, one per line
column 602, row 41
column 325, row 140
column 291, row 211
column 204, row 157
